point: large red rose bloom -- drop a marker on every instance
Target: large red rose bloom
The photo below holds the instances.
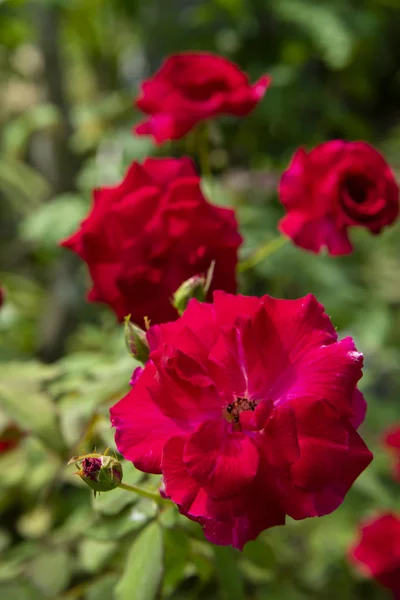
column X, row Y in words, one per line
column 191, row 87
column 336, row 186
column 377, row 552
column 248, row 408
column 146, row 236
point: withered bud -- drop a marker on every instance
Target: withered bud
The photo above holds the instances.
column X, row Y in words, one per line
column 101, row 472
column 136, row 341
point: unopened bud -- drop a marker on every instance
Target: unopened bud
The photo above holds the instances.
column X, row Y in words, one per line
column 136, row 341
column 195, row 287
column 191, row 288
column 101, row 472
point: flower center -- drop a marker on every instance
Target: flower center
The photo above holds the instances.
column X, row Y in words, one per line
column 357, row 187
column 239, row 405
column 90, row 467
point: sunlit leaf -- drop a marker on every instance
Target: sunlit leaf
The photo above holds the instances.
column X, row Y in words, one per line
column 144, row 566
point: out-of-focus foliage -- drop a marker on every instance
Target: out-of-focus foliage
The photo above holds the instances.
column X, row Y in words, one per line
column 69, row 70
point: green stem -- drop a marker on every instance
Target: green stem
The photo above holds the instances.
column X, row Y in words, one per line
column 144, row 493
column 202, row 149
column 262, row 253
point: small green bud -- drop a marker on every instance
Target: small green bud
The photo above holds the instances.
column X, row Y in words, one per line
column 136, row 341
column 191, row 288
column 195, row 287
column 101, row 472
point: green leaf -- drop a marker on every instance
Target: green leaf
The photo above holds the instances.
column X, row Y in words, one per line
column 22, row 186
column 176, row 559
column 324, row 25
column 22, row 398
column 50, row 571
column 35, row 523
column 54, row 220
column 230, row 579
column 94, row 554
column 144, row 566
column 102, row 589
column 117, row 526
column 18, row 131
column 20, row 590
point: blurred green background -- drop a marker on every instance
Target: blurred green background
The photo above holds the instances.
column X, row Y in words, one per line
column 69, row 70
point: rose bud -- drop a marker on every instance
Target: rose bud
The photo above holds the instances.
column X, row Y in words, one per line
column 102, row 473
column 194, row 287
column 136, row 341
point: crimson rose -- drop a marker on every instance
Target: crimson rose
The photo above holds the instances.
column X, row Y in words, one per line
column 191, row 87
column 378, row 551
column 10, row 437
column 248, row 407
column 336, row 186
column 146, row 236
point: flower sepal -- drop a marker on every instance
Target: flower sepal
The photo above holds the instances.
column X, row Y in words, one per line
column 136, row 341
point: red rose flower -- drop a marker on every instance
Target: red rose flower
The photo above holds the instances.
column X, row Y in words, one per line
column 336, row 186
column 192, row 87
column 392, row 442
column 10, row 437
column 146, row 236
column 247, row 407
column 378, row 551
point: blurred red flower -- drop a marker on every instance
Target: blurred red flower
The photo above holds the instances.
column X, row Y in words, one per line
column 2, row 295
column 248, row 407
column 144, row 237
column 10, row 437
column 191, row 87
column 377, row 552
column 392, row 442
column 336, row 186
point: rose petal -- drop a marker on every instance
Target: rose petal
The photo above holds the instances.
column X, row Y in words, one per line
column 221, row 461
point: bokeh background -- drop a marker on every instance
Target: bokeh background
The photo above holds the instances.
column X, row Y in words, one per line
column 69, row 70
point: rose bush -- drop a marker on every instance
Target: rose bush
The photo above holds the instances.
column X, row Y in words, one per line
column 191, row 87
column 144, row 237
column 336, row 186
column 249, row 408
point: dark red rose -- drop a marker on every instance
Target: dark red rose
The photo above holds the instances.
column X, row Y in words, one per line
column 377, row 552
column 336, row 186
column 146, row 236
column 192, row 87
column 248, row 408
column 10, row 437
column 392, row 442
